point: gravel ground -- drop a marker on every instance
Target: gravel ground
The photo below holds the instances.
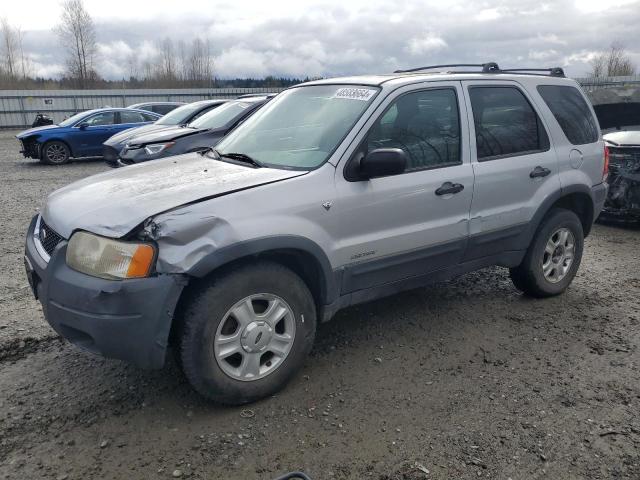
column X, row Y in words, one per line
column 466, row 379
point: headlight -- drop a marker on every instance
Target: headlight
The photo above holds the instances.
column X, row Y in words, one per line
column 156, row 148
column 107, row 258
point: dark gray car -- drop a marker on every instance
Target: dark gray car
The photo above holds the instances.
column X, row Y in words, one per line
column 180, row 116
column 201, row 134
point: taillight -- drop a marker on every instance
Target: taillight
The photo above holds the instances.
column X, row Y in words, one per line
column 605, row 169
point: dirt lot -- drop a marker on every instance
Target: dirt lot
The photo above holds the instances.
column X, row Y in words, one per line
column 461, row 380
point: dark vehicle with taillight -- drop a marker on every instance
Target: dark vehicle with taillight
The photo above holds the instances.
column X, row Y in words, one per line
column 623, row 200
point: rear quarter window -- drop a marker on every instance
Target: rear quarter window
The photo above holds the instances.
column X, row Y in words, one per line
column 163, row 109
column 572, row 113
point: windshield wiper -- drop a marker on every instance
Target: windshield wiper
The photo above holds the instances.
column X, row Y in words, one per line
column 239, row 157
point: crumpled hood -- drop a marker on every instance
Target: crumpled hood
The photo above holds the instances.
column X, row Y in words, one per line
column 31, row 131
column 164, row 135
column 623, row 138
column 115, row 202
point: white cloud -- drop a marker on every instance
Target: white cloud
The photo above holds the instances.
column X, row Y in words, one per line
column 552, row 38
column 328, row 37
column 488, row 14
column 594, row 6
column 47, row 70
column 426, row 44
column 544, row 55
column 239, row 61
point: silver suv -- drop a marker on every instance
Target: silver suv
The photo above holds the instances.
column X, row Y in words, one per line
column 337, row 192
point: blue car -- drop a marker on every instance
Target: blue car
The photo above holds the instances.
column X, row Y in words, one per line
column 81, row 135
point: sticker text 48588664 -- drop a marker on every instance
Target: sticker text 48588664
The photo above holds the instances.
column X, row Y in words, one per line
column 354, row 93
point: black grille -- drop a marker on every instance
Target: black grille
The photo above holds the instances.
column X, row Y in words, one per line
column 48, row 237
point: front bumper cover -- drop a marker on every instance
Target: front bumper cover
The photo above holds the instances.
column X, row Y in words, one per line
column 125, row 319
column 111, row 155
column 129, row 156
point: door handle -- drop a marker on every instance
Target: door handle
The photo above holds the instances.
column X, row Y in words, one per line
column 449, row 188
column 539, row 172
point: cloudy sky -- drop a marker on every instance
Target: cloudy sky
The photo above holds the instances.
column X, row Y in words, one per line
column 334, row 37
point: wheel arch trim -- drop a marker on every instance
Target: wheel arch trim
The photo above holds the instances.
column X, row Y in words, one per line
column 43, row 142
column 556, row 197
column 267, row 245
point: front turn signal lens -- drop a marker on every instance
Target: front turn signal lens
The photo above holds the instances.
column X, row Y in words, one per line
column 141, row 262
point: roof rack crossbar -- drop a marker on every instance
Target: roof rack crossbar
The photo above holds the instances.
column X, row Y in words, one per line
column 486, row 67
column 490, row 67
column 554, row 71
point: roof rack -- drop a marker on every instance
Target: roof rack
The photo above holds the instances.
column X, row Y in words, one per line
column 490, row 67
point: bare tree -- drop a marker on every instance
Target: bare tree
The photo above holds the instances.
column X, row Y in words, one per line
column 200, row 62
column 133, row 66
column 26, row 65
column 9, row 48
column 612, row 63
column 183, row 64
column 167, row 67
column 77, row 33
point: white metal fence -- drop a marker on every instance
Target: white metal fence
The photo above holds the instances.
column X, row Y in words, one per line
column 19, row 107
column 593, row 83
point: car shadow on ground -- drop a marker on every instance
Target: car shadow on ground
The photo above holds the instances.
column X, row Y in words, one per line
column 32, row 163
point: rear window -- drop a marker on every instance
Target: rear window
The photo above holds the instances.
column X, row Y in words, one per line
column 572, row 113
column 223, row 115
column 131, row 117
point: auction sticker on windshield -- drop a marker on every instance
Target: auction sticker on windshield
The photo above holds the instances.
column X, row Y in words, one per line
column 351, row 93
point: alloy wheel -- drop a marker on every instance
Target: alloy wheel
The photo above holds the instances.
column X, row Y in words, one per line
column 56, row 153
column 254, row 337
column 558, row 255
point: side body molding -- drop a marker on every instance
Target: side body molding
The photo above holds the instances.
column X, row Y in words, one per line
column 290, row 243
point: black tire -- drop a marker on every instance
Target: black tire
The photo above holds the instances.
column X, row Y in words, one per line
column 55, row 153
column 528, row 277
column 205, row 309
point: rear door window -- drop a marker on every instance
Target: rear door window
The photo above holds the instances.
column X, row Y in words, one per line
column 131, row 117
column 104, row 118
column 506, row 124
column 572, row 113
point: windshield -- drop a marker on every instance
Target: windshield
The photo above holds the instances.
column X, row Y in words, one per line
column 73, row 119
column 222, row 115
column 301, row 127
column 180, row 115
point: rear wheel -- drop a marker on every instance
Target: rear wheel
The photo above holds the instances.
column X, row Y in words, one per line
column 553, row 258
column 55, row 153
column 245, row 334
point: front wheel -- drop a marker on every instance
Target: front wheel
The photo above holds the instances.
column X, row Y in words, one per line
column 55, row 153
column 246, row 333
column 553, row 258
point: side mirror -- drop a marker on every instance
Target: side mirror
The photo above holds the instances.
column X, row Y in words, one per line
column 83, row 126
column 383, row 162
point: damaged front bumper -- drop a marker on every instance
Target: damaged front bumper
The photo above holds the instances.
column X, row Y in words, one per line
column 125, row 319
column 29, row 148
column 623, row 200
